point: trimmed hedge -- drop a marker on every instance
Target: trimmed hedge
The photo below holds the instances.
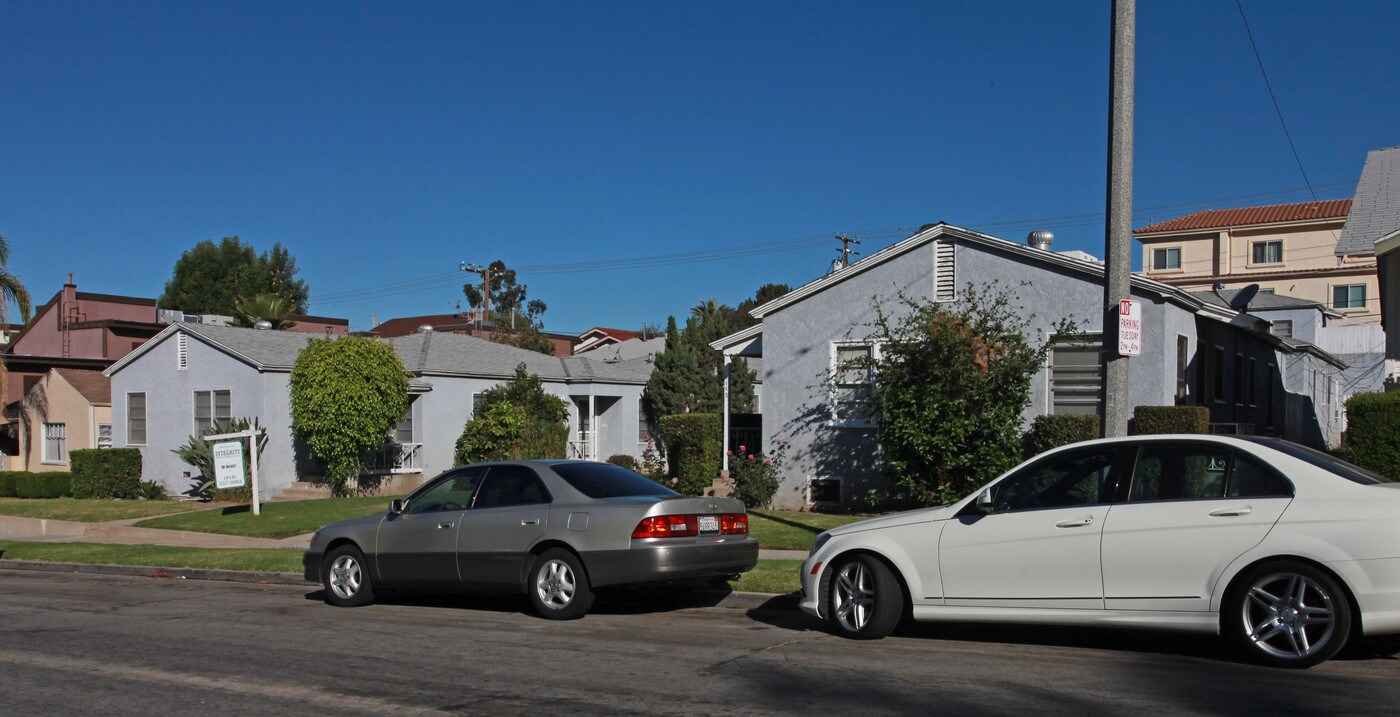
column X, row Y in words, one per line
column 1373, row 432
column 7, row 483
column 43, row 485
column 626, row 461
column 1051, row 431
column 106, row 472
column 693, row 445
column 1156, row 420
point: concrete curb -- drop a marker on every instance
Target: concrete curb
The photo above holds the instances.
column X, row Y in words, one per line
column 731, row 600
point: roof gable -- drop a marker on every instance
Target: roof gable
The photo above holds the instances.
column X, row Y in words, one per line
column 1376, row 214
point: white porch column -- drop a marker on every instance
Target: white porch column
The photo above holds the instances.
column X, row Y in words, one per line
column 592, row 429
column 724, row 449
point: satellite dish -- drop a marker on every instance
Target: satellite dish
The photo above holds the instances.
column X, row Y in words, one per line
column 1243, row 297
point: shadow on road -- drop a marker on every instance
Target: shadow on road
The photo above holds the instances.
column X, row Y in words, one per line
column 611, row 601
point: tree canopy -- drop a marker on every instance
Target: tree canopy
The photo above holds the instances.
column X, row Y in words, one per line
column 515, row 420
column 516, row 319
column 210, row 278
column 688, row 376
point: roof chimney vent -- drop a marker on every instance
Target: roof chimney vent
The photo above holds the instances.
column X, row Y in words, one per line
column 1040, row 239
column 263, row 325
column 425, row 329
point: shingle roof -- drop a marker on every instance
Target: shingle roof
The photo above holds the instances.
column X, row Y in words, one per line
column 91, row 385
column 267, row 349
column 436, row 353
column 1249, row 216
column 1263, row 301
column 1376, row 214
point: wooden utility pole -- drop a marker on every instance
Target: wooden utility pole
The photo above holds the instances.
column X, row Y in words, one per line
column 485, row 273
column 1119, row 228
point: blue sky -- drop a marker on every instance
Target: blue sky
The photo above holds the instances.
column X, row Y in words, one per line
column 385, row 143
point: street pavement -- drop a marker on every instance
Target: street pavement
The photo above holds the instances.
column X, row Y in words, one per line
column 97, row 644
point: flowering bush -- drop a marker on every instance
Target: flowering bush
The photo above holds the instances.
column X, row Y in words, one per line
column 652, row 466
column 754, row 476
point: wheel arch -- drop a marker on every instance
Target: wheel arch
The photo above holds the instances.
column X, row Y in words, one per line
column 1236, row 580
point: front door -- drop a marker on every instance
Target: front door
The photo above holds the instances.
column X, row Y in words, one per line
column 511, row 511
column 418, row 546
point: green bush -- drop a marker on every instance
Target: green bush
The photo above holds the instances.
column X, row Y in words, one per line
column 1373, row 432
column 154, row 490
column 693, row 445
column 106, row 472
column 624, row 460
column 1156, row 420
column 1051, row 431
column 198, row 453
column 506, row 432
column 7, row 483
column 43, row 485
column 754, row 476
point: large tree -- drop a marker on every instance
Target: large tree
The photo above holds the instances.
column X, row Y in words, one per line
column 689, row 375
column 516, row 420
column 516, row 319
column 12, row 293
column 210, row 278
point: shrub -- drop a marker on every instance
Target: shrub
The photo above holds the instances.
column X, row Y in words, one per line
column 1373, row 432
column 7, row 483
column 1051, row 431
column 43, row 485
column 106, row 472
column 1156, row 420
column 199, row 454
column 516, row 420
column 624, row 460
column 153, row 490
column 693, row 444
column 755, row 475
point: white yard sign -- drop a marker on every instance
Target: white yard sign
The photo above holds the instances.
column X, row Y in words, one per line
column 1129, row 327
column 228, row 465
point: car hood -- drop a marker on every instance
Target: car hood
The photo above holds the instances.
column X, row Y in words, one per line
column 349, row 522
column 923, row 515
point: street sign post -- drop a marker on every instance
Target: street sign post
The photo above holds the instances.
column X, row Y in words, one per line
column 229, row 468
column 1129, row 327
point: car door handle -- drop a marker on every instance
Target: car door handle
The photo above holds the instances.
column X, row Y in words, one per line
column 1076, row 523
column 1229, row 512
column 530, row 521
column 445, row 526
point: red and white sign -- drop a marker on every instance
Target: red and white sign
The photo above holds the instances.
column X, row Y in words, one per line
column 1129, row 327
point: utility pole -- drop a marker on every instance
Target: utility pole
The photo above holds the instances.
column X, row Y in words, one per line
column 1119, row 228
column 485, row 273
column 845, row 251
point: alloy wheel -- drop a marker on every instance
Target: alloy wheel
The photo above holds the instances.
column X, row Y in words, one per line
column 345, row 577
column 855, row 596
column 1289, row 616
column 555, row 584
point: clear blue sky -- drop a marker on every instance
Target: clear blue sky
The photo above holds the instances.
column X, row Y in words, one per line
column 384, row 143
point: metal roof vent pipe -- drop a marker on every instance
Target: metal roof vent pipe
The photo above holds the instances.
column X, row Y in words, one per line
column 263, row 325
column 425, row 329
column 1040, row 239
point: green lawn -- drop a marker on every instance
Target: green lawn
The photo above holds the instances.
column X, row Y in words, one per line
column 771, row 576
column 90, row 511
column 780, row 530
column 283, row 560
column 278, row 520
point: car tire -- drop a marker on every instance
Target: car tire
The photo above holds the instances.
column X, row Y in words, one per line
column 558, row 586
column 1288, row 614
column 345, row 577
column 866, row 602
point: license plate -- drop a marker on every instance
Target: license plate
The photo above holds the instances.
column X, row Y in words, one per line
column 709, row 524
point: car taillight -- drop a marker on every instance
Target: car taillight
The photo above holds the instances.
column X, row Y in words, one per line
column 667, row 526
column 734, row 524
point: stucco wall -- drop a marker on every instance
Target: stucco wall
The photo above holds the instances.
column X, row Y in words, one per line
column 54, row 400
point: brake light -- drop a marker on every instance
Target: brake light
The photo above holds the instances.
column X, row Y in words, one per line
column 734, row 524
column 667, row 526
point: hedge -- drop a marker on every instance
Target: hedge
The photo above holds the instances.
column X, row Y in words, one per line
column 1373, row 432
column 7, row 483
column 106, row 472
column 693, row 445
column 1156, row 420
column 1051, row 431
column 43, row 485
column 624, row 460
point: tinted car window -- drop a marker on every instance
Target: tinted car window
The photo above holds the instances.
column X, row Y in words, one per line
column 1073, row 479
column 453, row 491
column 511, row 485
column 1249, row 478
column 1180, row 471
column 604, row 480
column 1327, row 462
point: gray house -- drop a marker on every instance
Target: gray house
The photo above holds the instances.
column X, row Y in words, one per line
column 191, row 375
column 1193, row 352
column 1373, row 228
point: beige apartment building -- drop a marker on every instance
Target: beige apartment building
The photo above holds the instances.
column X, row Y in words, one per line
column 1287, row 249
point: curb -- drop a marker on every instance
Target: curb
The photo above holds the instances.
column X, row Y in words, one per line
column 730, row 600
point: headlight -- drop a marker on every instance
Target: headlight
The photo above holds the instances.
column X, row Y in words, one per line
column 819, row 542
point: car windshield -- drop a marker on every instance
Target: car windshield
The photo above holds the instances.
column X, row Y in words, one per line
column 604, row 480
column 1325, row 461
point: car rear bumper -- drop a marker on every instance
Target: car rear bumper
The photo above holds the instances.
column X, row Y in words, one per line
column 663, row 561
column 311, row 566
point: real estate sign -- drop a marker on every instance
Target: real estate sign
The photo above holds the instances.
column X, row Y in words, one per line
column 228, row 465
column 1129, row 327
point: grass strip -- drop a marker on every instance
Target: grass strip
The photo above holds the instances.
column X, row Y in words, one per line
column 278, row 520
column 282, row 560
column 771, row 576
column 90, row 510
column 781, row 530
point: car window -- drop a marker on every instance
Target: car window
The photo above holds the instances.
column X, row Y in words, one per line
column 452, row 491
column 605, row 480
column 1249, row 478
column 510, row 485
column 1180, row 471
column 1325, row 461
column 1081, row 478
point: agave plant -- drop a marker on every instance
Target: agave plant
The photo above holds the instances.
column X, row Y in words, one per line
column 199, row 453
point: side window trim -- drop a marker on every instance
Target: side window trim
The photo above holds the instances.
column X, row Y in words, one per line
column 1116, row 467
column 1124, row 494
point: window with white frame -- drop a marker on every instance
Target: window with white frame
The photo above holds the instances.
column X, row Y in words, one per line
column 853, row 383
column 1349, row 296
column 136, row 419
column 643, row 430
column 403, row 430
column 1266, row 252
column 210, row 407
column 1183, row 366
column 104, row 435
column 1166, row 258
column 55, row 443
column 1282, row 328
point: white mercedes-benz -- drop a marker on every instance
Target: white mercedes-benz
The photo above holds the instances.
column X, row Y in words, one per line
column 1285, row 550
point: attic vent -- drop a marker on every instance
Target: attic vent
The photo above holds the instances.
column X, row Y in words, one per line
column 182, row 351
column 944, row 281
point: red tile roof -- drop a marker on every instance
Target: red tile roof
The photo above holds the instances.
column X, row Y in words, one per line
column 1248, row 216
column 405, row 325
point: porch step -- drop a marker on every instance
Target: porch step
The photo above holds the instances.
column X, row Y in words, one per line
column 302, row 490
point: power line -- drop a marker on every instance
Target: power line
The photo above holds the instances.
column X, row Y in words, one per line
column 1258, row 58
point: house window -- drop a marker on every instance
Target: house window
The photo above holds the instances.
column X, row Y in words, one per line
column 643, row 430
column 104, row 435
column 1282, row 328
column 1267, row 252
column 403, row 430
column 476, row 405
column 1183, row 364
column 55, row 443
column 1349, row 296
column 824, row 490
column 853, row 385
column 1268, row 291
column 136, row 419
column 1076, row 376
column 182, row 351
column 1166, row 259
column 210, row 407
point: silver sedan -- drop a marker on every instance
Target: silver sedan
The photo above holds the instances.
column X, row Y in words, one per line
column 554, row 530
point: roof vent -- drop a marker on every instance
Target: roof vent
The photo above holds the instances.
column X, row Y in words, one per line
column 425, row 328
column 263, row 325
column 1040, row 239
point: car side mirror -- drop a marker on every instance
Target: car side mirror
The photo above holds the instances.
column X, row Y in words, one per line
column 397, row 505
column 984, row 501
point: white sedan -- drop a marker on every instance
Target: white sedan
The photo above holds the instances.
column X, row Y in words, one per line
column 1285, row 550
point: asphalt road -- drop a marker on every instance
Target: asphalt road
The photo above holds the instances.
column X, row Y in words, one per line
column 91, row 644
